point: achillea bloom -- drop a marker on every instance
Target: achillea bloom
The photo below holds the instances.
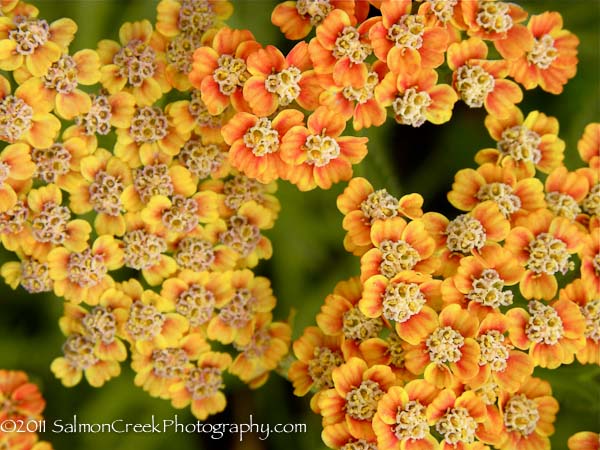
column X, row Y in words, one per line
column 29, row 273
column 202, row 385
column 201, row 251
column 515, row 196
column 390, row 352
column 584, row 440
column 544, row 244
column 25, row 116
column 362, row 206
column 552, row 60
column 565, row 192
column 400, row 421
column 220, row 70
column 255, row 143
column 15, row 231
column 400, row 33
column 590, row 205
column 588, row 145
column 398, row 246
column 33, row 43
column 15, row 166
column 357, row 391
column 204, row 160
column 480, row 82
column 448, row 351
column 319, row 156
column 136, row 65
column 528, row 416
column 590, row 261
column 20, row 398
column 552, row 333
column 60, row 161
column 338, row 436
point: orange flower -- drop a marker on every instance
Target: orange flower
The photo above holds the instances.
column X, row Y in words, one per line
column 220, row 70
column 591, row 203
column 480, row 82
column 528, row 416
column 543, row 243
column 317, row 152
column 337, row 436
column 29, row 273
column 398, row 34
column 136, row 65
column 588, row 145
column 21, row 399
column 255, row 143
column 390, row 352
column 565, row 192
column 201, row 250
column 553, row 59
column 357, row 390
column 448, row 351
column 584, row 440
column 590, row 261
column 15, row 166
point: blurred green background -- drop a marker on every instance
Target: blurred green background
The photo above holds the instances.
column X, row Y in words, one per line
column 308, row 255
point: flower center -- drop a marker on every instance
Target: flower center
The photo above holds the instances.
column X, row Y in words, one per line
column 197, row 304
column 474, row 84
column 200, row 159
column 241, row 189
column 548, row 255
column 361, row 402
column 15, row 118
column 521, row 144
column 444, row 345
column 317, row 10
column 35, row 276
column 136, row 62
column 397, row 256
column 402, row 301
column 13, row 220
column 543, row 53
column 204, row 382
column 494, row 350
column 149, row 124
column 105, row 194
column 261, row 138
column 545, row 325
column 379, row 205
column 488, row 290
column 456, row 426
column 562, row 205
column 29, row 34
column 521, row 415
column 181, row 216
column 144, row 322
column 465, row 233
column 199, row 111
column 356, row 326
column 100, row 324
column 591, row 313
column 180, row 50
column 86, row 269
column 591, row 203
column 411, row 422
column 362, row 94
column 443, row 9
column 62, row 75
column 321, row 365
column 321, row 150
column 195, row 254
column 396, row 350
column 97, row 119
column 408, row 32
column 79, row 351
column 241, row 236
column 411, row 107
column 285, row 85
column 231, row 74
column 349, row 45
column 51, row 162
column 238, row 312
column 257, row 346
column 494, row 16
column 195, row 16
column 502, row 194
column 153, row 180
column 50, row 225
column 169, row 362
column 489, row 392
column 142, row 249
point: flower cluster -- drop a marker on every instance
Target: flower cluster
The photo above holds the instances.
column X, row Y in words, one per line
column 21, row 406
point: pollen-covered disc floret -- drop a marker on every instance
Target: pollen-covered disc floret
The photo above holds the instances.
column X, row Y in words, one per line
column 238, row 312
column 241, row 235
column 411, row 422
column 145, row 321
column 410, row 108
column 456, row 426
column 51, row 223
column 543, row 52
column 591, row 203
column 357, row 326
column 285, row 85
column 494, row 17
column 316, row 10
column 348, row 44
column 544, row 325
column 143, row 249
column 563, row 205
column 199, row 111
column 548, row 255
column 380, row 205
column 35, row 276
column 262, row 138
column 443, row 9
column 397, row 256
column 62, row 75
column 181, row 216
column 321, row 150
column 15, row 118
column 195, row 16
column 465, row 233
column 197, row 304
column 401, row 301
column 521, row 144
column 487, row 290
column 591, row 313
column 100, row 324
column 180, row 50
column 363, row 93
column 231, row 74
column 29, row 34
column 169, row 362
column 473, row 84
column 136, row 62
column 320, row 366
column 521, row 415
column 494, row 350
column 361, row 402
column 149, row 124
column 501, row 194
column 201, row 159
column 79, row 351
column 204, row 382
column 444, row 345
column 97, row 119
column 241, row 189
column 86, row 269
column 105, row 193
column 194, row 253
column 151, row 180
column 408, row 32
column 13, row 221
column 51, row 162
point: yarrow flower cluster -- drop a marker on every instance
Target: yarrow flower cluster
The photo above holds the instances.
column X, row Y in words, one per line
column 152, row 243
